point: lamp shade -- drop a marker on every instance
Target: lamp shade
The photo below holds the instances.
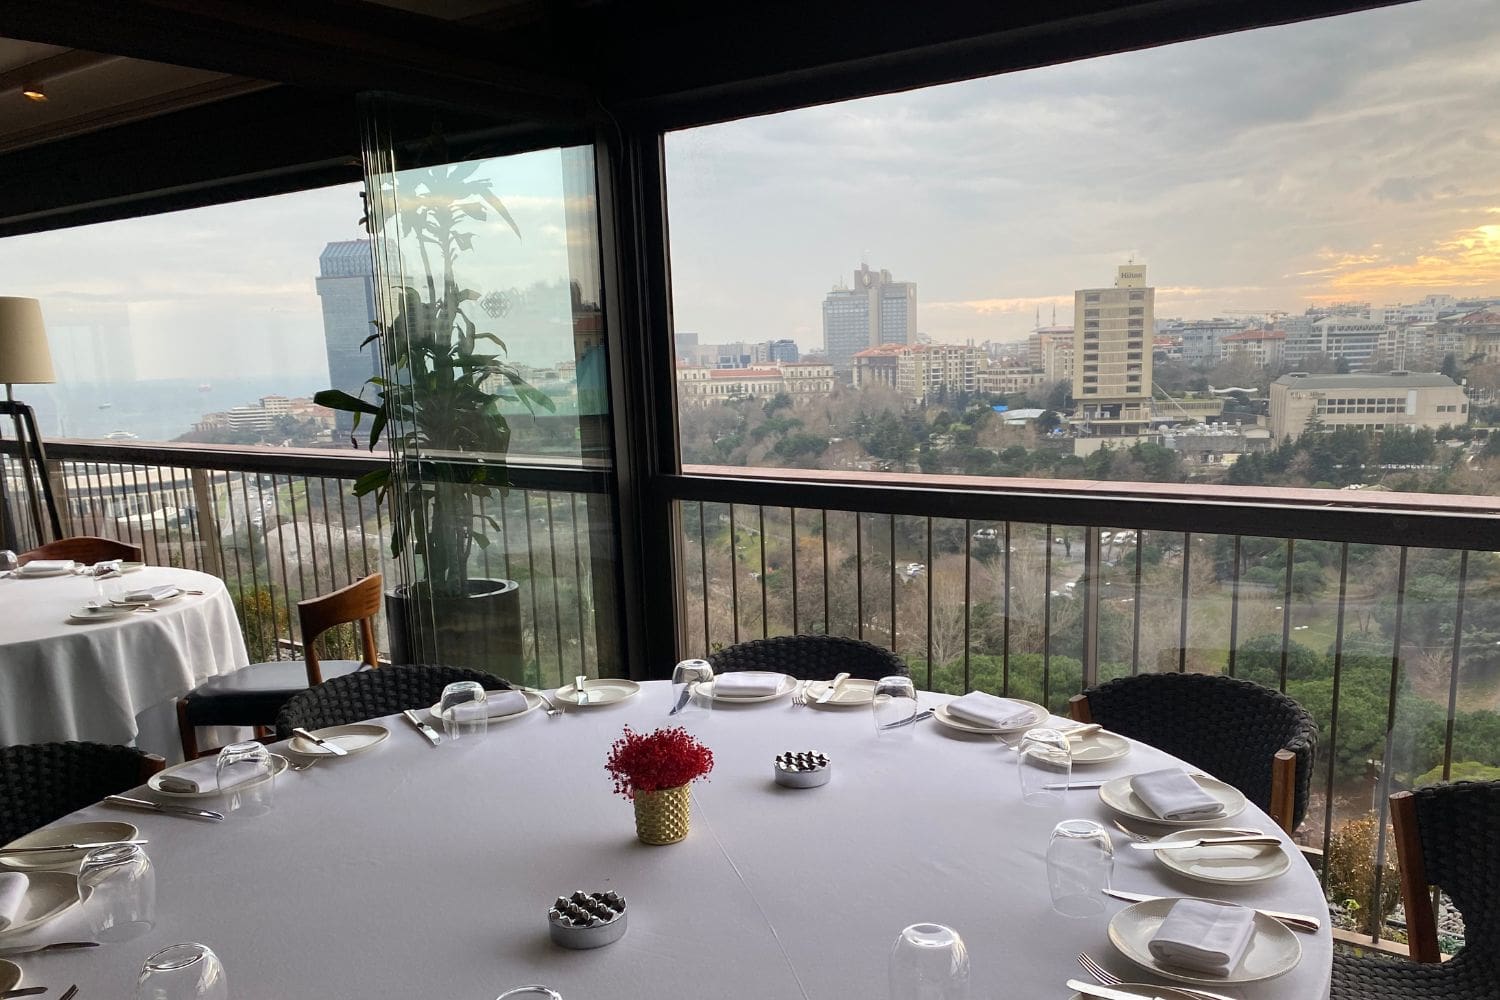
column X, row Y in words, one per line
column 24, row 357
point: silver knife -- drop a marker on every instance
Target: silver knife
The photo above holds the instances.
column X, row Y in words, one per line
column 1075, row 784
column 29, row 991
column 1178, row 845
column 320, row 742
column 926, row 713
column 1108, row 993
column 149, row 806
column 1299, row 921
column 68, row 847
column 422, row 727
column 682, row 699
column 831, row 689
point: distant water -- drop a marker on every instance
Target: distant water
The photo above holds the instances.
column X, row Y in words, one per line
column 155, row 410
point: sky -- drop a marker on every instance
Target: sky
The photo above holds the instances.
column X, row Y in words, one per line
column 1354, row 158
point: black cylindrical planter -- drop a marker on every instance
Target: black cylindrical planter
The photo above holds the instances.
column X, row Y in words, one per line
column 481, row 631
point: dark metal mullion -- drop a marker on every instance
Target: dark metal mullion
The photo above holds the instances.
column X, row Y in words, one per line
column 893, row 581
column 536, row 622
column 1182, row 628
column 1234, row 604
column 1135, row 642
column 1458, row 641
column 734, row 573
column 796, row 623
column 583, row 651
column 1047, row 615
column 1333, row 712
column 1286, row 614
column 703, row 556
column 760, row 543
column 826, row 629
column 931, row 571
column 968, row 639
column 1005, row 620
column 859, row 574
column 1382, row 803
column 556, row 597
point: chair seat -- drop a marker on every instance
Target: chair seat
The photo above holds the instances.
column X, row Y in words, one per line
column 253, row 695
column 1463, row 978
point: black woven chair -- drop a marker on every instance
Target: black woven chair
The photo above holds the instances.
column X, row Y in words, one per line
column 371, row 694
column 810, row 657
column 1446, row 836
column 1258, row 740
column 41, row 782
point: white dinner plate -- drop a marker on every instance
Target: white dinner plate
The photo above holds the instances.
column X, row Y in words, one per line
column 1118, row 795
column 71, row 833
column 601, row 691
column 102, row 613
column 947, row 718
column 1098, row 747
column 278, row 764
column 1273, row 951
column 854, row 691
column 356, row 738
column 532, row 701
column 48, row 895
column 787, row 685
column 1223, row 864
column 10, row 975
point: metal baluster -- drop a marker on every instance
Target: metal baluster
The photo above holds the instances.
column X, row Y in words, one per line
column 1382, row 799
column 1333, row 714
column 1234, row 604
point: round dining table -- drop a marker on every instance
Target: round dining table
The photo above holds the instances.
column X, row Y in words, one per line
column 409, row 870
column 110, row 681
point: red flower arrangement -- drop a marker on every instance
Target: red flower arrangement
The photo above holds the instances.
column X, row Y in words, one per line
column 666, row 758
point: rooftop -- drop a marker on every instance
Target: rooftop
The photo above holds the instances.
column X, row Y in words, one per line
column 1383, row 380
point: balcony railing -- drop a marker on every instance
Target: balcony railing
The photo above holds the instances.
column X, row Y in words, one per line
column 280, row 525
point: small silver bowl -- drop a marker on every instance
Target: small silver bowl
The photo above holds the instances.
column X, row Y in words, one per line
column 587, row 919
column 803, row 769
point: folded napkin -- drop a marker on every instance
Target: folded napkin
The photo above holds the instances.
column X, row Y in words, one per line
column 1207, row 937
column 496, row 705
column 159, row 593
column 12, row 891
column 987, row 710
column 202, row 776
column 1172, row 794
column 45, row 567
column 745, row 683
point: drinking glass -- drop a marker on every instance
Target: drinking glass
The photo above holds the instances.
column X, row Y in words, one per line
column 8, row 560
column 929, row 962
column 109, row 583
column 463, row 710
column 894, row 705
column 183, row 972
column 1045, row 763
column 119, row 892
column 245, row 774
column 687, row 704
column 1080, row 862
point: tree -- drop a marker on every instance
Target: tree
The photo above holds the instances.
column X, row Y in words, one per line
column 1048, row 422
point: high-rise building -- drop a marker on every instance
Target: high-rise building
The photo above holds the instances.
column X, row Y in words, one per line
column 784, row 351
column 876, row 310
column 1112, row 329
column 346, row 285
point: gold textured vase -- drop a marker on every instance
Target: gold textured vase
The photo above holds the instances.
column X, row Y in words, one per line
column 661, row 817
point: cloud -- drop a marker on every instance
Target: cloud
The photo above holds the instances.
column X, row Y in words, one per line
column 1469, row 260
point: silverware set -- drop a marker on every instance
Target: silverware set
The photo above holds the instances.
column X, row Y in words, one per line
column 31, row 991
column 1110, row 980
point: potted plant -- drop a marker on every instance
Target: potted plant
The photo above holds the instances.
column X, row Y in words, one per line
column 656, row 772
column 438, row 400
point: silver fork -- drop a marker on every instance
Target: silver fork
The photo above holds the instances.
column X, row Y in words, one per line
column 552, row 710
column 799, row 696
column 1107, row 978
column 1141, row 838
column 303, row 765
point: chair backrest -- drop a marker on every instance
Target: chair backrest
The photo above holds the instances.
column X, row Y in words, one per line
column 1449, row 836
column 42, row 782
column 810, row 657
column 1230, row 727
column 370, row 694
column 358, row 602
column 84, row 549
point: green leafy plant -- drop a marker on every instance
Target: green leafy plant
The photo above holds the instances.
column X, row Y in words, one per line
column 444, row 381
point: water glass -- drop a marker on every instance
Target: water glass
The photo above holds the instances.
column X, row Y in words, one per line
column 1080, row 862
column 464, row 711
column 9, row 560
column 109, row 583
column 246, row 777
column 119, row 892
column 929, row 962
column 894, row 705
column 687, row 704
column 1045, row 763
column 183, row 972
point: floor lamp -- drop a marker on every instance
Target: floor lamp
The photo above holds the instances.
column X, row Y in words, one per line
column 25, row 360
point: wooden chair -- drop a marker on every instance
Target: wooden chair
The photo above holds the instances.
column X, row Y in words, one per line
column 1446, row 837
column 253, row 695
column 1258, row 740
column 85, row 549
column 42, row 782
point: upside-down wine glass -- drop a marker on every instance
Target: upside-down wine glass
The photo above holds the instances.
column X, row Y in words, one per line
column 929, row 962
column 183, row 972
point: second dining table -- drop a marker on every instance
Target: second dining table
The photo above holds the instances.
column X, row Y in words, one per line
column 413, row 870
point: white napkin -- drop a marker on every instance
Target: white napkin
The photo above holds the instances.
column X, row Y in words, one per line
column 497, row 704
column 985, row 709
column 46, row 567
column 159, row 593
column 1207, row 937
column 12, row 891
column 202, row 776
column 1172, row 794
column 747, row 683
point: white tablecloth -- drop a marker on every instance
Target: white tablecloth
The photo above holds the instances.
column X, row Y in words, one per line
column 413, row 871
column 66, row 681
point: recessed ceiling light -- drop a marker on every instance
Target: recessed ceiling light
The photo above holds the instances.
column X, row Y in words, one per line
column 34, row 92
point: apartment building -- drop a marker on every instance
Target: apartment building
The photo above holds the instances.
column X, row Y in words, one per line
column 1264, row 348
column 1369, row 401
column 1112, row 370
